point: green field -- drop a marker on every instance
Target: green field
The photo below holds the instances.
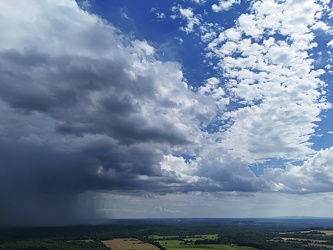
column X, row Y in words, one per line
column 176, row 245
column 171, row 243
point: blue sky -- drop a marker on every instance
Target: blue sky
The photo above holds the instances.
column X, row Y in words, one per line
column 148, row 109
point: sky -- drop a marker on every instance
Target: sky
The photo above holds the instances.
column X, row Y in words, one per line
column 165, row 109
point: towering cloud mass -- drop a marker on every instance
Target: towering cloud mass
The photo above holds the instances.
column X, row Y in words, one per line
column 86, row 108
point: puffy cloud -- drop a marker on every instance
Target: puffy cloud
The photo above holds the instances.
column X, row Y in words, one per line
column 330, row 43
column 187, row 14
column 199, row 1
column 275, row 92
column 315, row 175
column 224, row 5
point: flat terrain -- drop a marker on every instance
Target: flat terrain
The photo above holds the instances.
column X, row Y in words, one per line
column 179, row 245
column 128, row 243
column 171, row 243
column 305, row 239
column 199, row 234
column 327, row 232
column 318, row 238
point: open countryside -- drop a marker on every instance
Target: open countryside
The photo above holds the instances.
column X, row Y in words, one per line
column 188, row 243
column 194, row 242
column 168, row 234
column 318, row 238
column 179, row 245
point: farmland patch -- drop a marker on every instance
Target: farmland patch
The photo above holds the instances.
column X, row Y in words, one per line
column 129, row 244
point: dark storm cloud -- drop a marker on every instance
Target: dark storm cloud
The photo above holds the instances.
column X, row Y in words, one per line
column 26, row 59
column 63, row 90
column 17, row 85
column 39, row 186
column 59, row 82
column 231, row 175
column 82, row 111
column 62, row 87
